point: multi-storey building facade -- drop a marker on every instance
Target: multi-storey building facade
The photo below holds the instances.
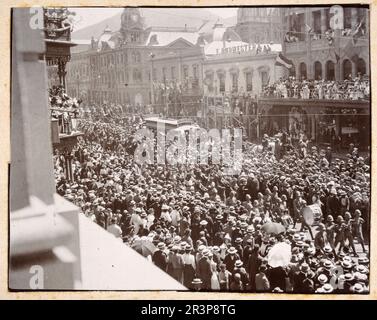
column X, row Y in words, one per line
column 259, row 24
column 317, row 51
column 120, row 63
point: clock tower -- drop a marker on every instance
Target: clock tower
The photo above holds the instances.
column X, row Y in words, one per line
column 132, row 26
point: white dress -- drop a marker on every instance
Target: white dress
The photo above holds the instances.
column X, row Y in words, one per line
column 215, row 284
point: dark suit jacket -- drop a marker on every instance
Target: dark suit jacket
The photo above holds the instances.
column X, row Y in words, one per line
column 205, row 272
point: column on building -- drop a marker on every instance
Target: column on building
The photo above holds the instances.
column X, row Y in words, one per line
column 309, row 66
column 241, row 82
column 234, row 72
column 228, row 81
column 354, row 68
column 257, row 81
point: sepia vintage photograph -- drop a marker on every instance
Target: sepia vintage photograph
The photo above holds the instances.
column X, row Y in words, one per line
column 206, row 149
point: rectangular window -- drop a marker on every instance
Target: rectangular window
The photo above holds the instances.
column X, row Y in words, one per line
column 301, row 27
column 265, row 78
column 347, row 18
column 221, row 82
column 249, row 82
column 172, row 72
column 316, row 21
column 235, row 82
column 195, row 72
column 185, row 72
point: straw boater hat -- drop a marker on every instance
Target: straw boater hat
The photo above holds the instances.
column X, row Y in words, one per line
column 327, row 249
column 161, row 245
column 196, row 281
column 322, row 279
column 349, row 277
column 327, row 264
column 238, row 263
column 232, row 250
column 362, row 269
column 346, row 264
column 205, row 252
column 201, row 248
column 358, row 288
column 327, row 288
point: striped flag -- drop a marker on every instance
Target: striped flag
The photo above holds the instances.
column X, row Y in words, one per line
column 283, row 61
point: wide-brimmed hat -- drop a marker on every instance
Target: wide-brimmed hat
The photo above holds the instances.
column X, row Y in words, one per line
column 349, row 277
column 346, row 264
column 205, row 252
column 201, row 248
column 358, row 288
column 296, row 237
column 362, row 269
column 161, row 245
column 327, row 288
column 238, row 263
column 232, row 250
column 327, row 264
column 196, row 281
column 327, row 249
column 363, row 260
column 215, row 249
column 361, row 277
column 203, row 222
column 322, row 278
column 250, row 229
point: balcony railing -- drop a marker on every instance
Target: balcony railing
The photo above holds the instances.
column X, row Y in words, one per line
column 66, row 120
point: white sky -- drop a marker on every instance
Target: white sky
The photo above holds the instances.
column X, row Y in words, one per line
column 88, row 16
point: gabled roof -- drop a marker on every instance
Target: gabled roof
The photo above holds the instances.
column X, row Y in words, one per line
column 180, row 42
column 165, row 38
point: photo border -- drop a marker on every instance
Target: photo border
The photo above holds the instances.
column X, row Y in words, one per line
column 5, row 99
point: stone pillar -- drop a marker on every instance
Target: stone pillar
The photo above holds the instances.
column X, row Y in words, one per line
column 354, row 69
column 228, row 81
column 38, row 234
column 341, row 71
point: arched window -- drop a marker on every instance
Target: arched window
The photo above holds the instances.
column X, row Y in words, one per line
column 361, row 67
column 347, row 69
column 303, row 73
column 330, row 70
column 317, row 70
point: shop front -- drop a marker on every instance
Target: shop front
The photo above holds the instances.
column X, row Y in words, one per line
column 325, row 123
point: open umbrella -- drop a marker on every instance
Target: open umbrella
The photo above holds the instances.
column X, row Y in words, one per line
column 144, row 247
column 273, row 227
column 279, row 255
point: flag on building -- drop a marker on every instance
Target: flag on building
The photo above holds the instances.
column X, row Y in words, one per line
column 283, row 61
column 308, row 29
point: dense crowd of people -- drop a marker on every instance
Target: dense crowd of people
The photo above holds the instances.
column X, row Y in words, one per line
column 64, row 108
column 353, row 89
column 253, row 231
